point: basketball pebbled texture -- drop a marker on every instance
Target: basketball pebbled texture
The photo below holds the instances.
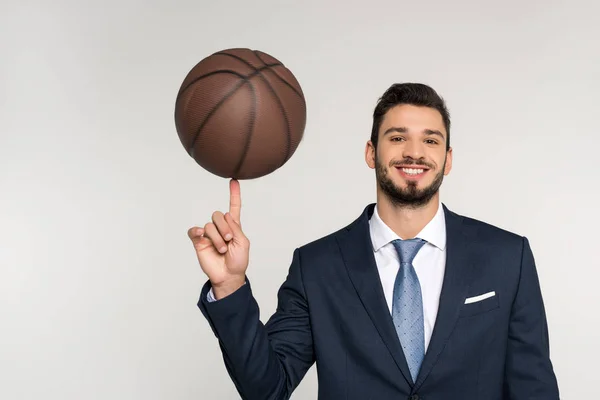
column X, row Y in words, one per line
column 240, row 113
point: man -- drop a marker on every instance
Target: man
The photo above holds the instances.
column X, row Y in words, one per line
column 409, row 301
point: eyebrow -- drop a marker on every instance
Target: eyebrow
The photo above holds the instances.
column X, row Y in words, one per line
column 402, row 129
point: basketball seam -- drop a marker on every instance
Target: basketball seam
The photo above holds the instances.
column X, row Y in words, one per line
column 222, row 71
column 244, row 79
column 279, row 102
column 182, row 90
column 289, row 150
column 279, row 76
column 300, row 95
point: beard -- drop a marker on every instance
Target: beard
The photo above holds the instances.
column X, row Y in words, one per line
column 411, row 196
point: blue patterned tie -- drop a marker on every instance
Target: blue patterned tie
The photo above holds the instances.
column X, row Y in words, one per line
column 407, row 306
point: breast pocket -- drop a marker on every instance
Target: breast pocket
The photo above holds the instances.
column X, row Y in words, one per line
column 479, row 304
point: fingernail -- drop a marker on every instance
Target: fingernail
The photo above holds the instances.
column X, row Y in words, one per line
column 223, row 249
column 228, row 236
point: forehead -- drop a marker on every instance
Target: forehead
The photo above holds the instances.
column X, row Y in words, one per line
column 413, row 118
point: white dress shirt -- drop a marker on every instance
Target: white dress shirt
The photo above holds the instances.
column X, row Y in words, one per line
column 429, row 263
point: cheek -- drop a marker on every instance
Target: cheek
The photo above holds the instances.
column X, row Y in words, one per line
column 390, row 153
column 381, row 157
column 439, row 158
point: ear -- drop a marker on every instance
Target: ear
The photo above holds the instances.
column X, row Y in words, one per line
column 370, row 154
column 448, row 167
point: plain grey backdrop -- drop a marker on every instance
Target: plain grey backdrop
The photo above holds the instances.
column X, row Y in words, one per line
column 99, row 282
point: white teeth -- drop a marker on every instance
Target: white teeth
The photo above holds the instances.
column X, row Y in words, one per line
column 412, row 171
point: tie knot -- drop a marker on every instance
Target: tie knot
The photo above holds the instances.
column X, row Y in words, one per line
column 408, row 249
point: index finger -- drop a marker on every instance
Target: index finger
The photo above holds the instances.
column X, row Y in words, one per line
column 235, row 200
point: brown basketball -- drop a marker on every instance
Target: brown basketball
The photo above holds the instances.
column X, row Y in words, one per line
column 240, row 113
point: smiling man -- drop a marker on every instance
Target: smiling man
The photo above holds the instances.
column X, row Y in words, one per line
column 408, row 301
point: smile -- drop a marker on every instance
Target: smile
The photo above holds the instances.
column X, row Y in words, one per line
column 413, row 171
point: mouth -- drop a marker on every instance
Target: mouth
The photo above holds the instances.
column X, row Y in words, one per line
column 412, row 172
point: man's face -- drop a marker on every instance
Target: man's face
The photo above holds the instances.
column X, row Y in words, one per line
column 411, row 158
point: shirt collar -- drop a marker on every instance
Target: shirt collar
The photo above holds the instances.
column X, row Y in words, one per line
column 434, row 232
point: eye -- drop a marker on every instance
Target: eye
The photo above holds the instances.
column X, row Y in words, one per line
column 396, row 138
column 431, row 141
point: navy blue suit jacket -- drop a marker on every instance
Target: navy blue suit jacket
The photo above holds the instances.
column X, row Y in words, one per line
column 331, row 311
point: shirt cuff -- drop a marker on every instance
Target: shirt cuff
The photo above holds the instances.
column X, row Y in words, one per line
column 210, row 297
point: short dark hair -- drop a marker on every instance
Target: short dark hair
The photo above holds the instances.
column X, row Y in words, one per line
column 416, row 94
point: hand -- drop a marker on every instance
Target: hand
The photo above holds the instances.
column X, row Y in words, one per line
column 222, row 248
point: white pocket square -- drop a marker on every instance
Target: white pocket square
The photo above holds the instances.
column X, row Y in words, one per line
column 479, row 298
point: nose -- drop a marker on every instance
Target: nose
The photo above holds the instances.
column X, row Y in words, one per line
column 413, row 149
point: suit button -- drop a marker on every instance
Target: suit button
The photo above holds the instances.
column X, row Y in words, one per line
column 414, row 397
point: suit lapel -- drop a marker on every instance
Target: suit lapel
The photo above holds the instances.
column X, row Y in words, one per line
column 357, row 252
column 454, row 289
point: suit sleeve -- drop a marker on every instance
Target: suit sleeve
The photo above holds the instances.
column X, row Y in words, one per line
column 529, row 373
column 267, row 361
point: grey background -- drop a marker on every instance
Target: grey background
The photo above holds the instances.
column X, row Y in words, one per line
column 98, row 280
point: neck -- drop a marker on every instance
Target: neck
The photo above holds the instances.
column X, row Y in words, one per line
column 406, row 221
